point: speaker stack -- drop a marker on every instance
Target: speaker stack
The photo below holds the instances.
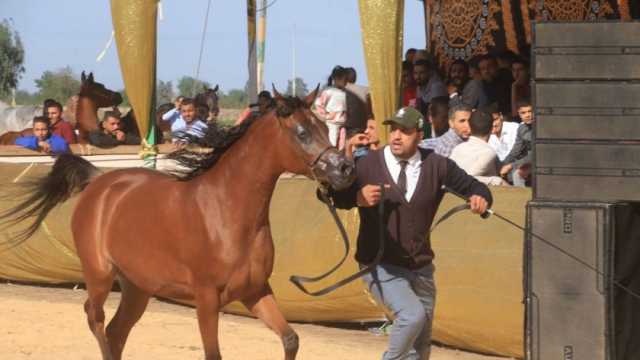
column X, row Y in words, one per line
column 586, row 88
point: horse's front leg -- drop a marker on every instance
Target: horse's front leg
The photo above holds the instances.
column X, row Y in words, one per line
column 265, row 308
column 207, row 308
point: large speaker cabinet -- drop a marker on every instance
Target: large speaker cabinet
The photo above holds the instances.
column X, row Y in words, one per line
column 572, row 312
column 586, row 93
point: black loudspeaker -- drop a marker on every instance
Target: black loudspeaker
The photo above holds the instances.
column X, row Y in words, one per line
column 586, row 93
column 572, row 312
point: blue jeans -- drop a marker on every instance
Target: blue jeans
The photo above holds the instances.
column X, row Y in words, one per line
column 410, row 295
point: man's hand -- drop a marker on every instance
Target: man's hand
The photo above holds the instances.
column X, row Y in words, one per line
column 120, row 135
column 478, row 204
column 177, row 104
column 44, row 146
column 369, row 195
column 506, row 169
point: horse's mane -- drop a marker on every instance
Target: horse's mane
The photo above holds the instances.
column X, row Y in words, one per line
column 193, row 163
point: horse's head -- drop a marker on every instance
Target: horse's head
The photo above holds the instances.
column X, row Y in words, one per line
column 305, row 147
column 100, row 95
column 208, row 97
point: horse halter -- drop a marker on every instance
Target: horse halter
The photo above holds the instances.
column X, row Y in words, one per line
column 315, row 164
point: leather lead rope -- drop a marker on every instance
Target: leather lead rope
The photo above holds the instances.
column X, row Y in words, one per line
column 299, row 280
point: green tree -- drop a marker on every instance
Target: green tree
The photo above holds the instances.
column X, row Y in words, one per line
column 301, row 88
column 234, row 99
column 24, row 97
column 59, row 85
column 11, row 58
column 189, row 86
column 164, row 92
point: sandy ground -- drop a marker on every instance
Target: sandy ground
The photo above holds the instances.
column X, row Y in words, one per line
column 49, row 323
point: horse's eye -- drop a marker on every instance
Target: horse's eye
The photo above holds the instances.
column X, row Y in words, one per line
column 302, row 133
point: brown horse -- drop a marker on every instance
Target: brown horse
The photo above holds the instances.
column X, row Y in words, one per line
column 92, row 96
column 84, row 107
column 209, row 241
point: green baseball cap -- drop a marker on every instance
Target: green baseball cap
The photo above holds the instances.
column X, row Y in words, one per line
column 407, row 118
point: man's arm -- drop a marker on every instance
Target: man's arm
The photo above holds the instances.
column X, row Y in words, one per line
column 465, row 184
column 170, row 115
column 58, row 144
column 102, row 140
column 29, row 142
column 517, row 149
column 68, row 134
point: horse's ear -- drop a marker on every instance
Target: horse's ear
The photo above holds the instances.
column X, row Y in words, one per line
column 276, row 95
column 83, row 77
column 215, row 89
column 90, row 78
column 312, row 96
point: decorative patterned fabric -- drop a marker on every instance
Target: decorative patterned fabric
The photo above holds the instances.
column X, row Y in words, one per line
column 461, row 29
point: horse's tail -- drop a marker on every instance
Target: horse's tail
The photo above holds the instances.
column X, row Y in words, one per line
column 70, row 174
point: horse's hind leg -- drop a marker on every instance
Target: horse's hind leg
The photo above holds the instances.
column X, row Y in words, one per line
column 132, row 305
column 265, row 308
column 98, row 288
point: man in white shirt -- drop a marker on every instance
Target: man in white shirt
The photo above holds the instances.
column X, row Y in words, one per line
column 187, row 126
column 475, row 156
column 503, row 135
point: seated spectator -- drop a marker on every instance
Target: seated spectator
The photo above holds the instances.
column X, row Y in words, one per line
column 518, row 162
column 42, row 139
column 428, row 85
column 331, row 105
column 57, row 125
column 458, row 131
column 188, row 125
column 520, row 88
column 110, row 133
column 496, row 83
column 438, row 123
column 173, row 116
column 264, row 105
column 463, row 88
column 408, row 85
column 503, row 135
column 475, row 156
column 359, row 144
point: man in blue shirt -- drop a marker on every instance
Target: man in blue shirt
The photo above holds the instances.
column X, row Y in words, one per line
column 42, row 140
column 188, row 124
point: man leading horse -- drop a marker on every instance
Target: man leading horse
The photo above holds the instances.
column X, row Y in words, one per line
column 413, row 180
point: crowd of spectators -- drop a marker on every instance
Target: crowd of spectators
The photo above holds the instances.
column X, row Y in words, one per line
column 479, row 113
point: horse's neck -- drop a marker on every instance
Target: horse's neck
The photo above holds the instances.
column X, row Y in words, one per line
column 86, row 114
column 249, row 170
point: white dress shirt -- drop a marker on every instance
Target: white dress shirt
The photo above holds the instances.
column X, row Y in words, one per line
column 412, row 170
column 503, row 145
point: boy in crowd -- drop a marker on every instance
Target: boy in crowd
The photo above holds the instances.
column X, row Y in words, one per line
column 42, row 140
column 518, row 162
column 503, row 135
column 57, row 125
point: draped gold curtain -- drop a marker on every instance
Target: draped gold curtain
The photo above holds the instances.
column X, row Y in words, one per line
column 381, row 22
column 134, row 23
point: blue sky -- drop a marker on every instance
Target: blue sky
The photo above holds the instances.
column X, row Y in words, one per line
column 73, row 32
